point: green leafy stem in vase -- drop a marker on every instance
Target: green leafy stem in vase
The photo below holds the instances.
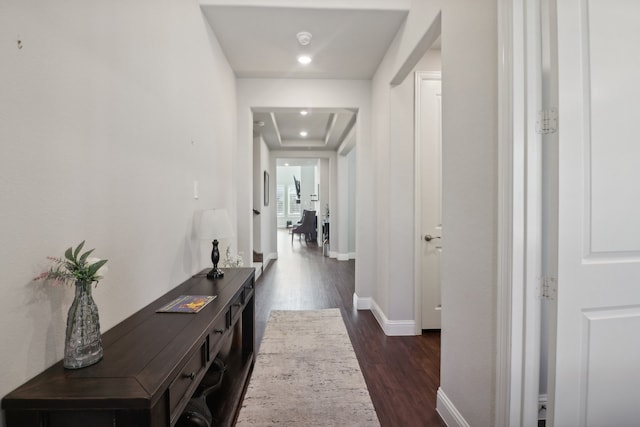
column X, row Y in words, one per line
column 75, row 267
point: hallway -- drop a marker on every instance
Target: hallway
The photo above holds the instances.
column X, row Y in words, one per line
column 402, row 373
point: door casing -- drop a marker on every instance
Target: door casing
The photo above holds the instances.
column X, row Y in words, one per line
column 419, row 77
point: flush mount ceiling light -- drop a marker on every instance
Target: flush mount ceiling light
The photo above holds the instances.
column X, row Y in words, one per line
column 304, row 38
column 303, row 133
column 304, row 112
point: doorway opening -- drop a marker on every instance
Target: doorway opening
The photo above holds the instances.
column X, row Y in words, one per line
column 298, row 195
column 428, row 135
column 314, row 173
column 427, row 120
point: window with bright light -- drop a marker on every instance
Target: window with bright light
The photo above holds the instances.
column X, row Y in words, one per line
column 294, row 208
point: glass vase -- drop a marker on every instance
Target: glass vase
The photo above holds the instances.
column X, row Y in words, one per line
column 83, row 342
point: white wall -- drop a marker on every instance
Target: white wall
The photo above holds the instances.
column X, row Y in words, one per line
column 324, row 199
column 351, row 188
column 109, row 112
column 469, row 70
column 307, row 187
column 258, row 192
column 401, row 197
column 393, row 178
column 469, row 87
column 262, row 224
column 401, row 192
column 346, row 194
column 267, row 213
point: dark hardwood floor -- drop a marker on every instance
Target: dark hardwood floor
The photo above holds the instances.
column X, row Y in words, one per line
column 402, row 373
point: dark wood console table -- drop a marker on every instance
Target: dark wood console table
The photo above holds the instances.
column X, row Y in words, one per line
column 153, row 363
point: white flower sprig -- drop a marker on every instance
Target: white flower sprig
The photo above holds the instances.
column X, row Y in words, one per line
column 230, row 261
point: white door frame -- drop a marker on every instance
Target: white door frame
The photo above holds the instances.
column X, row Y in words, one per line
column 519, row 207
column 420, row 76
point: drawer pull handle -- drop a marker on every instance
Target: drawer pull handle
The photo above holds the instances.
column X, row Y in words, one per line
column 238, row 304
column 219, row 331
column 191, row 376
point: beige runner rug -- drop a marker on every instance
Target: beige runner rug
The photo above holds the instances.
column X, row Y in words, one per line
column 307, row 374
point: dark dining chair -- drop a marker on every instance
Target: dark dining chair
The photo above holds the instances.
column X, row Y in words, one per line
column 306, row 226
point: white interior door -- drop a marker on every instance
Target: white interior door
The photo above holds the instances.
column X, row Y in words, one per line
column 595, row 358
column 430, row 140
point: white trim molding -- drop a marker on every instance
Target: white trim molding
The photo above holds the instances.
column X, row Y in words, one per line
column 339, row 256
column 258, row 269
column 262, row 266
column 342, row 257
column 270, row 257
column 393, row 328
column 448, row 412
column 504, row 315
column 361, row 303
column 518, row 319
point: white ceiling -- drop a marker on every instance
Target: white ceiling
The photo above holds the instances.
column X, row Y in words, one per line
column 347, row 43
column 281, row 127
column 349, row 39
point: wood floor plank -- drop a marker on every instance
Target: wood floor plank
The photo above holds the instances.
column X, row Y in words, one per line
column 402, row 373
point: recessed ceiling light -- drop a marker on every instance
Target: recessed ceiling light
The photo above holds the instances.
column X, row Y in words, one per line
column 304, row 59
column 286, row 164
column 303, row 133
column 304, row 112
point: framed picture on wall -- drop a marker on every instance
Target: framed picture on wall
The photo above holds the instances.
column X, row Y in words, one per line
column 266, row 188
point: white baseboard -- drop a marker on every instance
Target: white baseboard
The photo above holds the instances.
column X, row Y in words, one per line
column 342, row 257
column 393, row 328
column 448, row 412
column 361, row 303
column 266, row 260
column 261, row 266
column 258, row 267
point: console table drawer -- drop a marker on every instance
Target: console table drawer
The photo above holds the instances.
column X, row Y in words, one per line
column 248, row 290
column 217, row 335
column 237, row 305
column 186, row 381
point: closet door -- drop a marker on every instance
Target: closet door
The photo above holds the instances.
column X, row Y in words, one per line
column 595, row 360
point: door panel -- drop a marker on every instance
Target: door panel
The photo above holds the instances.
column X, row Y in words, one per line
column 594, row 372
column 611, row 65
column 430, row 139
column 611, row 348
